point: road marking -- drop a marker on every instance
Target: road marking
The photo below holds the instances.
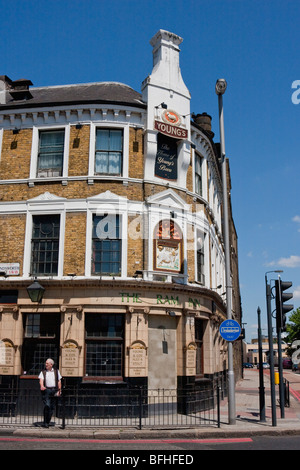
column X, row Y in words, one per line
column 295, row 394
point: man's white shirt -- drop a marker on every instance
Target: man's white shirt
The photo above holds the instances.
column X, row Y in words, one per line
column 50, row 378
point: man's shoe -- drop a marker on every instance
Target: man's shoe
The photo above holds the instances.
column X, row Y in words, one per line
column 45, row 425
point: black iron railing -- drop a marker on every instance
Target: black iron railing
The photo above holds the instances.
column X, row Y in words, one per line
column 135, row 407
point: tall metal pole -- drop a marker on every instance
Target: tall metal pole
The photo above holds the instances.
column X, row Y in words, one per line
column 220, row 90
column 280, row 371
column 280, row 368
column 262, row 409
column 271, row 354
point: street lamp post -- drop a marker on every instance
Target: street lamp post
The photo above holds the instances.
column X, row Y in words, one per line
column 221, row 86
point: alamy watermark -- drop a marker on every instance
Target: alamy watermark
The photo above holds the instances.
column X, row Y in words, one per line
column 140, row 226
column 296, row 94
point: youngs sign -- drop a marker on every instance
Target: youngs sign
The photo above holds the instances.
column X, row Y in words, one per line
column 170, row 125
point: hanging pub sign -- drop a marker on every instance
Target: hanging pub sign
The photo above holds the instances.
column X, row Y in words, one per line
column 170, row 125
column 166, row 158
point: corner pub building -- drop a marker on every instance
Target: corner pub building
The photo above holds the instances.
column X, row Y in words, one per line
column 111, row 201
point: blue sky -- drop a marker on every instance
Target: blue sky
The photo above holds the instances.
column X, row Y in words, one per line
column 253, row 45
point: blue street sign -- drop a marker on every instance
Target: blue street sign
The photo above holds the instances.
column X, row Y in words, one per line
column 230, row 330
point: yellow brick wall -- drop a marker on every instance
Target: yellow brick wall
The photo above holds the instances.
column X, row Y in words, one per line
column 75, row 243
column 136, row 153
column 12, row 236
column 189, row 176
column 135, row 245
column 15, row 164
column 15, row 155
column 191, row 254
column 79, row 151
column 74, row 189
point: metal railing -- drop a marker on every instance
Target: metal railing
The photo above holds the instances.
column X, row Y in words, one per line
column 136, row 407
column 286, row 388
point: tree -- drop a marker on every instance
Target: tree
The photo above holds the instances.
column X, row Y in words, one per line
column 293, row 330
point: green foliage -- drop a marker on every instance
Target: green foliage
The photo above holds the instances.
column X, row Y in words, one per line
column 293, row 326
column 293, row 330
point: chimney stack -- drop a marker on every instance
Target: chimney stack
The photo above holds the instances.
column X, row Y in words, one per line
column 5, row 86
column 20, row 89
column 17, row 90
column 204, row 121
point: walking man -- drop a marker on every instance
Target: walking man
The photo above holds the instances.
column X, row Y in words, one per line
column 50, row 385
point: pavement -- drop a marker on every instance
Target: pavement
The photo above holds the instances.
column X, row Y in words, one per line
column 248, row 420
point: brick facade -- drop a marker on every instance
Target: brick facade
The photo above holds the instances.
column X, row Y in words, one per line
column 12, row 238
column 176, row 299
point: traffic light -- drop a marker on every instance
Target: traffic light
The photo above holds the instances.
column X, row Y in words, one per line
column 281, row 308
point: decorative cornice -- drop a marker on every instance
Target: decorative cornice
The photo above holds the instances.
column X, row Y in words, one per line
column 10, row 118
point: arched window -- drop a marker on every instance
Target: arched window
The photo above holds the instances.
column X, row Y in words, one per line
column 167, row 246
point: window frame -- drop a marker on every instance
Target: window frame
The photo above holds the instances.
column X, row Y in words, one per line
column 40, row 240
column 92, row 150
column 199, row 346
column 118, row 239
column 198, row 176
column 200, row 265
column 36, row 130
column 112, row 209
column 45, row 209
column 201, row 252
column 201, row 244
column 40, row 152
column 109, row 151
column 34, row 342
column 101, row 340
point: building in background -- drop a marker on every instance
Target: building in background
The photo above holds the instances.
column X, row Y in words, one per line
column 251, row 351
column 112, row 201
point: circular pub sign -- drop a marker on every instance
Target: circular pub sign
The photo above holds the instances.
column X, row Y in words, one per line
column 171, row 117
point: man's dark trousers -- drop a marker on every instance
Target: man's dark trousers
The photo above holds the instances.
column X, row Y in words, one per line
column 48, row 396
